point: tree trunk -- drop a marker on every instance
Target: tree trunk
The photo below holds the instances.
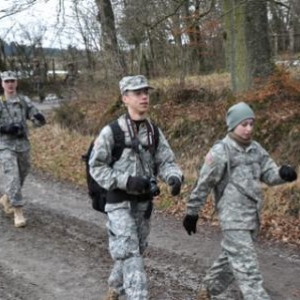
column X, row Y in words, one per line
column 110, row 43
column 249, row 46
column 229, row 38
column 196, row 59
column 2, row 55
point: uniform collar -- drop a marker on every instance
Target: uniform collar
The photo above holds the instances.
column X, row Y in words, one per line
column 237, row 146
column 13, row 98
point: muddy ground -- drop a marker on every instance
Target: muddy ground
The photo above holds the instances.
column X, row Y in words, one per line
column 62, row 253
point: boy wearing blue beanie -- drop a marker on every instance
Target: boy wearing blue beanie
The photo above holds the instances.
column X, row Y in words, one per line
column 234, row 169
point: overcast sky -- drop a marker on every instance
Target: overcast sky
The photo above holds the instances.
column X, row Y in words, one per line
column 41, row 19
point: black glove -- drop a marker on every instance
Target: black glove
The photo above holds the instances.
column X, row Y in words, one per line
column 13, row 129
column 175, row 184
column 138, row 184
column 288, row 173
column 39, row 117
column 190, row 223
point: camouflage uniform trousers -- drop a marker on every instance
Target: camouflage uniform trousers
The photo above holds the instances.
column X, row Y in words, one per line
column 237, row 261
column 128, row 232
column 16, row 166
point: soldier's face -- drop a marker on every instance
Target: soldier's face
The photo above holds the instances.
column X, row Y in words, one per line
column 9, row 86
column 245, row 129
column 137, row 101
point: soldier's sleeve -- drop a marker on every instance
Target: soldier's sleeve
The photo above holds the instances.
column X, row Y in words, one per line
column 165, row 160
column 269, row 169
column 31, row 111
column 100, row 160
column 210, row 174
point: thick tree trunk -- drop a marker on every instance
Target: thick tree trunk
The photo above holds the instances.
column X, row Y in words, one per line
column 110, row 43
column 2, row 55
column 229, row 38
column 257, row 39
column 247, row 42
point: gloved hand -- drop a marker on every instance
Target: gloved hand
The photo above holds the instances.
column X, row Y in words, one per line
column 288, row 173
column 190, row 223
column 175, row 184
column 39, row 117
column 138, row 184
column 13, row 128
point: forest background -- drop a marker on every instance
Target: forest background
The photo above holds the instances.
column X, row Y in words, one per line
column 201, row 55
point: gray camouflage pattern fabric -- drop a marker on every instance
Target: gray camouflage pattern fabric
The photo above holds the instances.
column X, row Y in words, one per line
column 16, row 166
column 131, row 83
column 238, row 200
column 238, row 261
column 15, row 151
column 129, row 163
column 17, row 109
column 7, row 75
column 128, row 230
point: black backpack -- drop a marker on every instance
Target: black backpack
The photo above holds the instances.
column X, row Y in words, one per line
column 96, row 192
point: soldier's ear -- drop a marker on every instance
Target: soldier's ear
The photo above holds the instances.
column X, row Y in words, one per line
column 124, row 98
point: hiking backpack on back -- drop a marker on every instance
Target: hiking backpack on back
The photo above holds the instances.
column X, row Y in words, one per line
column 95, row 191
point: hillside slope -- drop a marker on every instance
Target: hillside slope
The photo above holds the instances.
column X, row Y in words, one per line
column 192, row 118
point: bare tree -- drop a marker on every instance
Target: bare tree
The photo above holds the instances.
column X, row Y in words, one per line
column 89, row 30
column 2, row 55
column 178, row 37
column 285, row 25
column 112, row 51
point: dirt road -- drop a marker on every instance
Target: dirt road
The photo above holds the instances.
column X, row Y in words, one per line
column 62, row 253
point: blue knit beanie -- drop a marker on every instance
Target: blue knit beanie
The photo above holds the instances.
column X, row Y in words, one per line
column 237, row 114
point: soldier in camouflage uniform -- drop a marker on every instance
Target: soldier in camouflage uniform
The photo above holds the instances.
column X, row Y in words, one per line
column 14, row 144
column 70, row 80
column 71, row 76
column 234, row 169
column 131, row 185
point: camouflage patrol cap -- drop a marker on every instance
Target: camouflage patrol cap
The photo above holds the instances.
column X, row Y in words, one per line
column 8, row 75
column 132, row 83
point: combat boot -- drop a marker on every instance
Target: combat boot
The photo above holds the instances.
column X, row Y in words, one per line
column 111, row 295
column 203, row 294
column 19, row 219
column 6, row 205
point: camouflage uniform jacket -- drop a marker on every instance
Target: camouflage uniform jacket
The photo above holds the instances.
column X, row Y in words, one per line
column 237, row 193
column 130, row 163
column 16, row 109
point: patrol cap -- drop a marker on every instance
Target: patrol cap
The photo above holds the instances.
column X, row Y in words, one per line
column 132, row 83
column 237, row 114
column 8, row 75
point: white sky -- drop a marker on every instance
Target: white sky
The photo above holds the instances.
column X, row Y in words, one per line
column 41, row 19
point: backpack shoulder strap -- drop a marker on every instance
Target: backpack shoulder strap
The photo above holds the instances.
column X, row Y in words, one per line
column 156, row 135
column 119, row 139
column 154, row 132
column 228, row 164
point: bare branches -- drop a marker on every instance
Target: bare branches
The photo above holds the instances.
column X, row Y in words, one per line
column 16, row 7
column 164, row 18
column 280, row 3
